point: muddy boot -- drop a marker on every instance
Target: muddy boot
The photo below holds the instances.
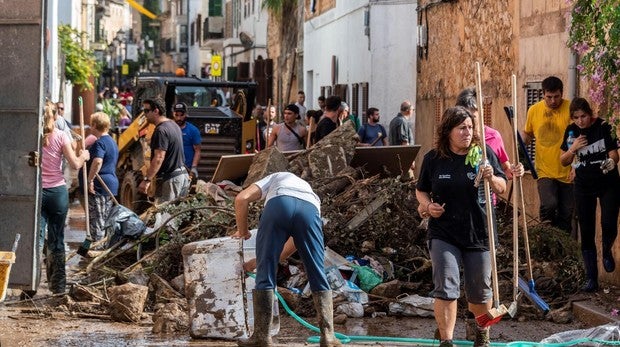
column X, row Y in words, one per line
column 608, row 258
column 263, row 311
column 325, row 311
column 483, row 337
column 58, row 275
column 589, row 261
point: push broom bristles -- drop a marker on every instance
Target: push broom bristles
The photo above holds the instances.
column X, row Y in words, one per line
column 493, row 316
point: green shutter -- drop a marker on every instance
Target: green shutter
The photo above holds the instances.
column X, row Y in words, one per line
column 215, row 8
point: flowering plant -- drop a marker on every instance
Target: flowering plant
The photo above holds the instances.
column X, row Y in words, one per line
column 595, row 35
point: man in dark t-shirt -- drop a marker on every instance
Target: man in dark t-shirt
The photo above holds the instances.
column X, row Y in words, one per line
column 166, row 155
column 329, row 122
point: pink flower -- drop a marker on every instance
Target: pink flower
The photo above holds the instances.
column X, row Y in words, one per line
column 614, row 312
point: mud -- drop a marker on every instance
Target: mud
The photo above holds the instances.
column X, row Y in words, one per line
column 31, row 324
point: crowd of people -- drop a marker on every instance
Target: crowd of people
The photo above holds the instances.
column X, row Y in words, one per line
column 576, row 163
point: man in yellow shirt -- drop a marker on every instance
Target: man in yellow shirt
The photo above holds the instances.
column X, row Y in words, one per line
column 546, row 122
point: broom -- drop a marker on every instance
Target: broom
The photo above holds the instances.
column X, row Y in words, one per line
column 83, row 250
column 512, row 309
column 494, row 315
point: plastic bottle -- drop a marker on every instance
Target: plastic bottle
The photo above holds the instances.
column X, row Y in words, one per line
column 570, row 139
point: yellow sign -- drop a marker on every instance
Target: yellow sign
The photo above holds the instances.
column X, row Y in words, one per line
column 216, row 66
column 125, row 69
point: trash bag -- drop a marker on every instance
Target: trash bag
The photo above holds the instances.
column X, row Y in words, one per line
column 412, row 305
column 367, row 277
column 123, row 223
column 597, row 336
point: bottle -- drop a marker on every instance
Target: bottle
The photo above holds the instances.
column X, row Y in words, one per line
column 570, row 139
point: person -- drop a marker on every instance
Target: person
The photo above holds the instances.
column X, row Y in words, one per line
column 55, row 196
column 372, row 133
column 289, row 135
column 329, row 122
column 321, row 103
column 301, row 98
column 400, row 129
column 271, row 121
column 312, row 119
column 166, row 155
column 457, row 231
column 291, row 209
column 546, row 120
column 124, row 118
column 493, row 139
column 346, row 115
column 594, row 155
column 191, row 139
column 103, row 159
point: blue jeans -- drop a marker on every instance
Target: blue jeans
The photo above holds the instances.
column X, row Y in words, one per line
column 54, row 207
column 284, row 217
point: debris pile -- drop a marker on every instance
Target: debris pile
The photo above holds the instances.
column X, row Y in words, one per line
column 377, row 259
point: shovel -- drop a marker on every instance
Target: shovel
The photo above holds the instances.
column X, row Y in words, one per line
column 495, row 314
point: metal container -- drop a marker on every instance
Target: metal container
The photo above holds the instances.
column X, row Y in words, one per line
column 213, row 271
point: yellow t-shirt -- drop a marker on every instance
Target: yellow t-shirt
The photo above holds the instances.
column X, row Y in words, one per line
column 548, row 126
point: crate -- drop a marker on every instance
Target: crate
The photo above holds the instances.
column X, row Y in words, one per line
column 6, row 260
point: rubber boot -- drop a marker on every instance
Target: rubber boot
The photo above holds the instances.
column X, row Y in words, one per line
column 58, row 274
column 608, row 258
column 325, row 311
column 589, row 261
column 262, row 301
column 483, row 337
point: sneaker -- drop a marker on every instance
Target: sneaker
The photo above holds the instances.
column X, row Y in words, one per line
column 483, row 338
column 446, row 343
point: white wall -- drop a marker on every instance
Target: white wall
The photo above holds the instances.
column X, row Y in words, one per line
column 386, row 59
column 393, row 37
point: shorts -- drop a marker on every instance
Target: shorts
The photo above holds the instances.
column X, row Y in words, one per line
column 447, row 259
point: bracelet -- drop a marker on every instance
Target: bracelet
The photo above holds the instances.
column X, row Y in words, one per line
column 427, row 207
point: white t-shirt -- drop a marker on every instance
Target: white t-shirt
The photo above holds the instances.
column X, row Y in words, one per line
column 286, row 183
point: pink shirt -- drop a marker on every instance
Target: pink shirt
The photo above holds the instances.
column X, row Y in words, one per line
column 494, row 140
column 51, row 160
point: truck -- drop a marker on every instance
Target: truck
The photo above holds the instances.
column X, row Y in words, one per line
column 225, row 128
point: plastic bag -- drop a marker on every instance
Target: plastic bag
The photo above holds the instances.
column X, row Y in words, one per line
column 412, row 305
column 367, row 277
column 351, row 309
column 596, row 336
column 123, row 223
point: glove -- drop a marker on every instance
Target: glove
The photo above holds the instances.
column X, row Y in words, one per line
column 608, row 165
column 193, row 172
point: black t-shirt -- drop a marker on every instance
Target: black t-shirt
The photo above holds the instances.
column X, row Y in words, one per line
column 450, row 181
column 588, row 173
column 325, row 126
column 168, row 137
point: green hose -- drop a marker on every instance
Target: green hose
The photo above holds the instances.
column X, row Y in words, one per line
column 431, row 342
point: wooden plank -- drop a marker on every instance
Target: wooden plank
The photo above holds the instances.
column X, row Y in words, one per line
column 366, row 212
column 389, row 161
column 232, row 167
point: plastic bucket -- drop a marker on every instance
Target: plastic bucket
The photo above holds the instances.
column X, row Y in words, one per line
column 6, row 260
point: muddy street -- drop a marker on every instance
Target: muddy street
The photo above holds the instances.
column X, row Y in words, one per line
column 35, row 323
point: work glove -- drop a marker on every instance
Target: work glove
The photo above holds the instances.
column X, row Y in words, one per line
column 608, row 165
column 193, row 172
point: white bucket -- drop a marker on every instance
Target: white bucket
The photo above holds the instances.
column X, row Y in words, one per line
column 214, row 288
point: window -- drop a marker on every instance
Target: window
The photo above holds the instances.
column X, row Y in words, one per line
column 199, row 29
column 180, row 7
column 355, row 99
column 365, row 88
column 533, row 94
column 183, row 35
column 215, row 8
column 192, row 33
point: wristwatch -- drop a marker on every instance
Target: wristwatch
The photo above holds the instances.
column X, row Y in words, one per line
column 146, row 179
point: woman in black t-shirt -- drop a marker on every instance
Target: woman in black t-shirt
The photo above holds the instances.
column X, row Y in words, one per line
column 457, row 233
column 593, row 155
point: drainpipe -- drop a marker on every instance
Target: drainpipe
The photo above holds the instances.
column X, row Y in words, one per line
column 573, row 75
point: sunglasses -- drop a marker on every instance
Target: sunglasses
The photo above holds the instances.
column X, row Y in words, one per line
column 61, row 108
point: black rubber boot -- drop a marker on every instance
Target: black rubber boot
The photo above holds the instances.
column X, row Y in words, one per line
column 262, row 301
column 324, row 306
column 589, row 261
column 58, row 274
column 609, row 263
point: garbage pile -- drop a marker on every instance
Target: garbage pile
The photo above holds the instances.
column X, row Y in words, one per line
column 376, row 261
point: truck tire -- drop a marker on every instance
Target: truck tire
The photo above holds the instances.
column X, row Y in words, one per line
column 129, row 195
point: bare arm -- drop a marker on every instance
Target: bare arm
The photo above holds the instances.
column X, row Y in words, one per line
column 196, row 158
column 95, row 166
column 242, row 202
column 156, row 161
column 527, row 137
column 272, row 136
column 74, row 160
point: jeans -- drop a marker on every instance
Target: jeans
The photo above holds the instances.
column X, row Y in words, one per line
column 284, row 217
column 54, row 207
column 557, row 203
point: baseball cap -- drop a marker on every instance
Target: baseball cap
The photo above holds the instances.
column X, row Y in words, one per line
column 180, row 107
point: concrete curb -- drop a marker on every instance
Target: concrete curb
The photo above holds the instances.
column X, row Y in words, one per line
column 592, row 315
